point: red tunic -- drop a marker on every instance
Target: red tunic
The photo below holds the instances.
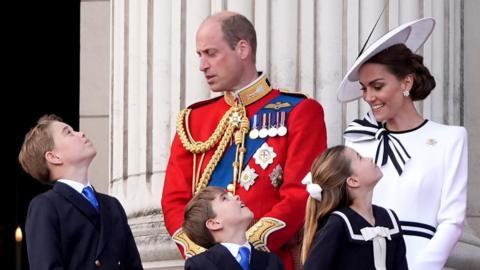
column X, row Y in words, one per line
column 295, row 152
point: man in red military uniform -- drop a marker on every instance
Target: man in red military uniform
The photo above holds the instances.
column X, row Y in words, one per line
column 254, row 141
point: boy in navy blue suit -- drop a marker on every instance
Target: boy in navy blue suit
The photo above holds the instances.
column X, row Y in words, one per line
column 71, row 226
column 217, row 220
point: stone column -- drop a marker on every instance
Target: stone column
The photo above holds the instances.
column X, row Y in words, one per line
column 329, row 62
column 142, row 98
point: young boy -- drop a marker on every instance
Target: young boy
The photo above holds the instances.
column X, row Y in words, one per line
column 71, row 226
column 217, row 220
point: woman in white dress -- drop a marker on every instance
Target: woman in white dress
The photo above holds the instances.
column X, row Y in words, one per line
column 424, row 163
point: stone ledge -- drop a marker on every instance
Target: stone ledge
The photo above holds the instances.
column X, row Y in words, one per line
column 153, row 241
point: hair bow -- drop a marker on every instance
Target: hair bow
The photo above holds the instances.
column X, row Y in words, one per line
column 314, row 190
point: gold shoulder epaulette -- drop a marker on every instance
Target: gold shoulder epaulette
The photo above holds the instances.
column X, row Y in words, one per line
column 258, row 234
column 298, row 94
column 190, row 248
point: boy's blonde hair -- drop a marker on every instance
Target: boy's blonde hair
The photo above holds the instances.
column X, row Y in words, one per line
column 37, row 142
column 197, row 212
column 330, row 170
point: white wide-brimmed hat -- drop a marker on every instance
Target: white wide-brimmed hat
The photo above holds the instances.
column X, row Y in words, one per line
column 412, row 34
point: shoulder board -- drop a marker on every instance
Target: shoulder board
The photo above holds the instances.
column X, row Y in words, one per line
column 204, row 102
column 296, row 94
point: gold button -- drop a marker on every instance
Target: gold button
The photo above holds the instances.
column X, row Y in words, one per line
column 230, row 188
column 98, row 263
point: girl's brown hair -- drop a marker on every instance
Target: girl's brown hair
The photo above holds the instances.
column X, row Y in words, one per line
column 330, row 170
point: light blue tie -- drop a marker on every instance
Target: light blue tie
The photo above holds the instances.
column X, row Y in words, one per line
column 244, row 258
column 88, row 192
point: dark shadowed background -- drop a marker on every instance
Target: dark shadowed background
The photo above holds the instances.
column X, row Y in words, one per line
column 41, row 75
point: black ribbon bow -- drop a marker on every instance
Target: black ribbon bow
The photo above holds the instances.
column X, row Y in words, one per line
column 389, row 147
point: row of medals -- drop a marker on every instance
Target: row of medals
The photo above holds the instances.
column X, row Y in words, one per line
column 272, row 124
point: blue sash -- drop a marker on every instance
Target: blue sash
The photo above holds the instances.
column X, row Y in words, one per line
column 223, row 173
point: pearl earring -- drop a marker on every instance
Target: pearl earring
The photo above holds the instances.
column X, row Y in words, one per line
column 406, row 93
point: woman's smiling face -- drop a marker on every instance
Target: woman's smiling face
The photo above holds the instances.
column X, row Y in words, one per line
column 383, row 91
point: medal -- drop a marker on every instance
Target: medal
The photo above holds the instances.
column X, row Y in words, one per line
column 282, row 130
column 276, row 176
column 272, row 131
column 253, row 134
column 264, row 131
column 264, row 155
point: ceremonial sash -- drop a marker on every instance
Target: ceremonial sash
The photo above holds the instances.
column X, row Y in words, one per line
column 223, row 173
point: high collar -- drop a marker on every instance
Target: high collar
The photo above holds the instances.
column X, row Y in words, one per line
column 247, row 95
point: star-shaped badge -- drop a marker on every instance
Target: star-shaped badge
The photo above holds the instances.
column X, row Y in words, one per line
column 276, row 177
column 247, row 179
column 235, row 119
column 264, row 155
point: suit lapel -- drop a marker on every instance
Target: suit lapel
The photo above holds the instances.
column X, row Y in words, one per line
column 78, row 201
column 106, row 222
column 222, row 258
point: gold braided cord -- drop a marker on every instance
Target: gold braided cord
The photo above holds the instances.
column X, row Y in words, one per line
column 207, row 173
column 196, row 170
column 201, row 147
column 241, row 150
column 233, row 125
column 194, row 178
column 197, row 175
column 239, row 140
column 194, row 174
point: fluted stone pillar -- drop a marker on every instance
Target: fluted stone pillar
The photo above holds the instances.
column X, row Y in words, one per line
column 329, row 64
column 143, row 77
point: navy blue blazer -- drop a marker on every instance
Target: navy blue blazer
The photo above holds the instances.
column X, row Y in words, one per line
column 64, row 231
column 337, row 245
column 218, row 257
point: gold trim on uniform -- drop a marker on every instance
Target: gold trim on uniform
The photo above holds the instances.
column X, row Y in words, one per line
column 190, row 248
column 258, row 234
column 250, row 93
column 233, row 125
column 298, row 94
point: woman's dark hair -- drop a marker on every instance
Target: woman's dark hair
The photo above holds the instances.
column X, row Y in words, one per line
column 400, row 61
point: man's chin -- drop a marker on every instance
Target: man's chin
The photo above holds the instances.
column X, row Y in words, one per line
column 216, row 89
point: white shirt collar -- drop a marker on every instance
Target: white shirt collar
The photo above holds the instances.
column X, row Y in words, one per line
column 74, row 184
column 233, row 248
